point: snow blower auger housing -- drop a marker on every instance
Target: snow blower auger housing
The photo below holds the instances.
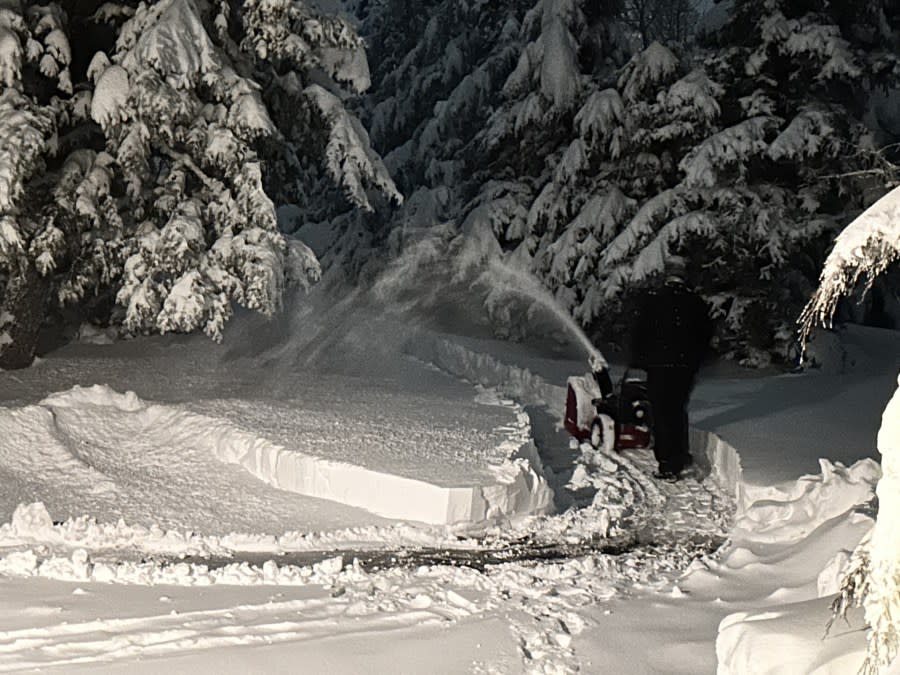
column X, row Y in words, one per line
column 613, row 418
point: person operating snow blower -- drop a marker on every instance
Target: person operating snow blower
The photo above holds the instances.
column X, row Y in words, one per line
column 669, row 339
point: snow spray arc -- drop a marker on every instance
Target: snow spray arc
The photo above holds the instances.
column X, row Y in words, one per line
column 520, row 282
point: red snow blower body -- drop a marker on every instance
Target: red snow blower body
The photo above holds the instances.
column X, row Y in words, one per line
column 615, row 418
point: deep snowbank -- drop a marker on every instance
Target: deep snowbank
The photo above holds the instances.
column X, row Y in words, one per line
column 783, row 424
column 790, row 639
column 519, row 488
column 797, row 526
column 66, row 424
column 807, row 531
column 832, row 511
column 791, row 511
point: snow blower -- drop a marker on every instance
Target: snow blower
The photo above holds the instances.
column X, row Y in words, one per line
column 608, row 417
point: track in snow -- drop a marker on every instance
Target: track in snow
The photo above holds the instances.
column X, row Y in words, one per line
column 475, row 558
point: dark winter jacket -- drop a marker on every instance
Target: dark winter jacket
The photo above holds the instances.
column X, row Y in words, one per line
column 671, row 327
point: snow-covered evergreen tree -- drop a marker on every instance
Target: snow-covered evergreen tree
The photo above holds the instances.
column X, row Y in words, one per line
column 731, row 158
column 539, row 139
column 791, row 122
column 430, row 99
column 568, row 53
column 142, row 174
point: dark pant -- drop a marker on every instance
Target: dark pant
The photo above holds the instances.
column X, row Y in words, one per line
column 669, row 389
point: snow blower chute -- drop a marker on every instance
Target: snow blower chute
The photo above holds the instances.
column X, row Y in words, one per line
column 613, row 418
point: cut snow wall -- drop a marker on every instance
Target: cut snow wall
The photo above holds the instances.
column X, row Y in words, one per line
column 530, row 389
column 515, row 485
column 513, row 381
column 724, row 463
column 520, row 488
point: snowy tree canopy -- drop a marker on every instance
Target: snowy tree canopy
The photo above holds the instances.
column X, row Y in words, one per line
column 744, row 185
column 540, row 139
column 163, row 149
column 142, row 163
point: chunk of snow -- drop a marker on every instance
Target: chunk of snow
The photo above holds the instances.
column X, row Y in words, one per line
column 98, row 65
column 10, row 57
column 110, row 96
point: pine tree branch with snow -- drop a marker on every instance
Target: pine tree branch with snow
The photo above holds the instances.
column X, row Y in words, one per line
column 864, row 250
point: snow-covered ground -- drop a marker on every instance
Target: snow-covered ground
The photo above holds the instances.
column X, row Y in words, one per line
column 138, row 524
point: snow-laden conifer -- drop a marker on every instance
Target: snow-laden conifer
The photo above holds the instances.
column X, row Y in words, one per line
column 148, row 182
column 744, row 155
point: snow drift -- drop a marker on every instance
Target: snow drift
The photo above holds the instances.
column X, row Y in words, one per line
column 798, row 526
column 97, row 436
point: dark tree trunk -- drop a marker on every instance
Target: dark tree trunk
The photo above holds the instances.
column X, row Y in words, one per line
column 24, row 306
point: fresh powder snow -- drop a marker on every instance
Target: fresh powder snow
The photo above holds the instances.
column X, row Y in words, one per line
column 127, row 511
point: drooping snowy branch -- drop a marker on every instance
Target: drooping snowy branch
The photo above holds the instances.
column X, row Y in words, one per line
column 349, row 157
column 865, row 249
column 647, row 69
column 730, row 148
